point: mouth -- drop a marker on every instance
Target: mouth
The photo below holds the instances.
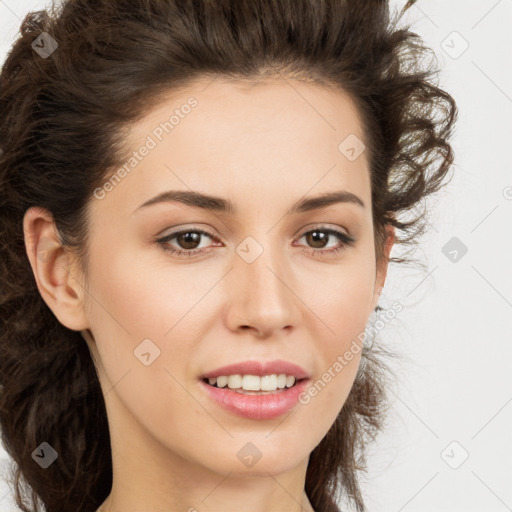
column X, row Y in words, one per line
column 253, row 384
column 243, row 395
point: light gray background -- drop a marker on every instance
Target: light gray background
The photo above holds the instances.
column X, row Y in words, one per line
column 453, row 395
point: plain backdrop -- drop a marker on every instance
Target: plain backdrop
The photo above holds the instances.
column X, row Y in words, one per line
column 448, row 440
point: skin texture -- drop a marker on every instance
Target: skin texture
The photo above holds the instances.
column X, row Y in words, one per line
column 263, row 147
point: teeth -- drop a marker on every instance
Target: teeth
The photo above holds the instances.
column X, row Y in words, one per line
column 250, row 383
column 234, row 381
column 253, row 382
column 222, row 381
column 290, row 381
column 268, row 382
column 281, row 381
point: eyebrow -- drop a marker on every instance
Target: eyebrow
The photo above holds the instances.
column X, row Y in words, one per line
column 218, row 204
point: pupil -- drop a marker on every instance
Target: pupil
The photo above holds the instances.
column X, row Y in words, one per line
column 317, row 234
column 187, row 239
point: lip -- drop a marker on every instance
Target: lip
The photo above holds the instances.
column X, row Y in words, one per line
column 257, row 407
column 259, row 368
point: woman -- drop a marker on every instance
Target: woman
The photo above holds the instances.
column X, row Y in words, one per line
column 198, row 204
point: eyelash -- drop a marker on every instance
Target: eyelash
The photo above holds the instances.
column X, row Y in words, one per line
column 345, row 240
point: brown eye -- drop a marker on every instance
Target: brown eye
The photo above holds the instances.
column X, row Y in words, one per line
column 187, row 241
column 317, row 239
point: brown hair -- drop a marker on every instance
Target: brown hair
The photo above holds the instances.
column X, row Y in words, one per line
column 61, row 128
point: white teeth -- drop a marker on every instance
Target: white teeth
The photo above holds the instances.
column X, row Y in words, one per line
column 269, row 382
column 251, row 383
column 234, row 381
column 281, row 381
column 254, row 382
column 222, row 381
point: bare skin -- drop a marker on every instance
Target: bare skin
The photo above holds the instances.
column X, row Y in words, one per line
column 264, row 148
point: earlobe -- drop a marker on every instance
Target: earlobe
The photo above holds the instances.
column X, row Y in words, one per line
column 51, row 266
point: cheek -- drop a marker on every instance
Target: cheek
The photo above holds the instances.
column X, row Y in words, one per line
column 342, row 306
column 348, row 303
column 140, row 299
column 143, row 304
column 341, row 296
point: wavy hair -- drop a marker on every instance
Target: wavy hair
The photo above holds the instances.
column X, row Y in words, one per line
column 61, row 131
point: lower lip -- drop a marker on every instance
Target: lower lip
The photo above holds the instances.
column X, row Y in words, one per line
column 257, row 407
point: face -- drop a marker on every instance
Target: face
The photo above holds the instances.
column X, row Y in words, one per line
column 254, row 282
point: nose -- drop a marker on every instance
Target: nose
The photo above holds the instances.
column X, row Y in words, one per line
column 261, row 296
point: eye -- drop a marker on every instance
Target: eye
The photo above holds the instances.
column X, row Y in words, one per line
column 320, row 235
column 189, row 238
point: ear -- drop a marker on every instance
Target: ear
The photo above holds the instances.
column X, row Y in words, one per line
column 52, row 268
column 382, row 267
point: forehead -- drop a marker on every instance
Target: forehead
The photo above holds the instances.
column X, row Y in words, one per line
column 234, row 138
column 239, row 107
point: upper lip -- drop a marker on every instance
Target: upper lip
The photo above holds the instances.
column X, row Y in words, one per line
column 259, row 368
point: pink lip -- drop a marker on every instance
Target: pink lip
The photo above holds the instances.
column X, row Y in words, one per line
column 259, row 368
column 257, row 407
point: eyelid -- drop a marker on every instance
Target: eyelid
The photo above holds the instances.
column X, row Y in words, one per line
column 345, row 241
column 325, row 226
column 302, row 231
column 185, row 229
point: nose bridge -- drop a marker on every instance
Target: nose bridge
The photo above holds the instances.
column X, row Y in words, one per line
column 261, row 272
column 261, row 282
column 258, row 262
